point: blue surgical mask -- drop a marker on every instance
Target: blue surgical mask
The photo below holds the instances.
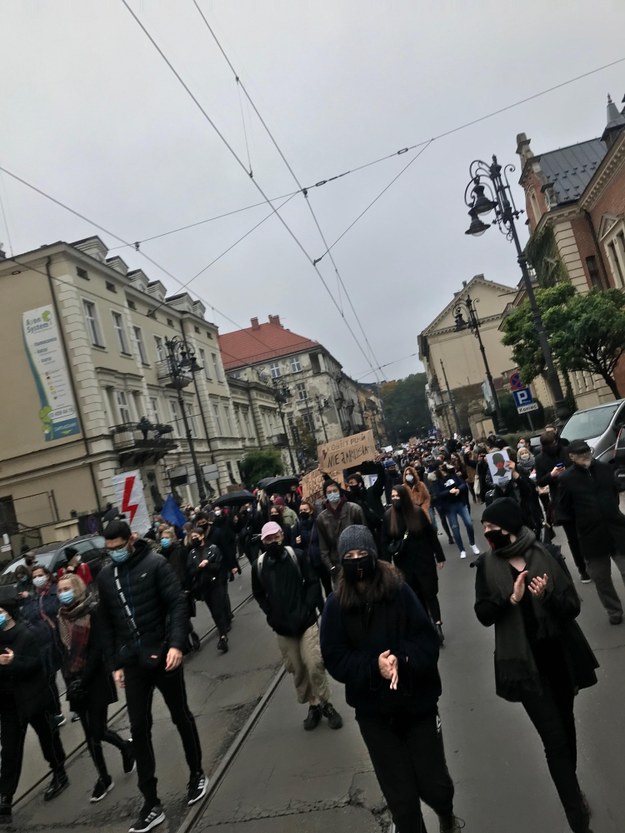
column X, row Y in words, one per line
column 165, row 542
column 119, row 556
column 66, row 597
column 334, row 497
column 3, row 619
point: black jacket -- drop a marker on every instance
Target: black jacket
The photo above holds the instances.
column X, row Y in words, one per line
column 95, row 678
column 287, row 593
column 546, row 461
column 418, row 553
column 590, row 498
column 370, row 500
column 155, row 598
column 352, row 641
column 23, row 684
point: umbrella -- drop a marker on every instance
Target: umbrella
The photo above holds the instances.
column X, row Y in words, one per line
column 278, row 485
column 235, row 498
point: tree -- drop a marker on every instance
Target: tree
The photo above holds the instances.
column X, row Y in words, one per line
column 588, row 333
column 405, row 406
column 260, row 463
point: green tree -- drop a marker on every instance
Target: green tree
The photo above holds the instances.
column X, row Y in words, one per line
column 405, row 407
column 588, row 333
column 259, row 463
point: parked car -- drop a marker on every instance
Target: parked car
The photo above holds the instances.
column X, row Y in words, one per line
column 599, row 426
column 55, row 555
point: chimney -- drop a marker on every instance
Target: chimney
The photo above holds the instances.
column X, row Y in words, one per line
column 523, row 147
column 275, row 319
column 255, row 324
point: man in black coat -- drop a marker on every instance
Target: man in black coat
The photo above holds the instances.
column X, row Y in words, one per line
column 551, row 464
column 589, row 495
column 144, row 622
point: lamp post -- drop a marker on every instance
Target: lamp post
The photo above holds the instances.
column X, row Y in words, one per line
column 181, row 358
column 322, row 404
column 501, row 201
column 468, row 304
column 451, row 399
column 282, row 394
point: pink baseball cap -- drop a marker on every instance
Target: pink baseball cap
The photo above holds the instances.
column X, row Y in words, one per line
column 271, row 528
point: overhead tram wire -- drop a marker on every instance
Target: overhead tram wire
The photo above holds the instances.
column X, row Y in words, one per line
column 303, row 190
column 241, row 164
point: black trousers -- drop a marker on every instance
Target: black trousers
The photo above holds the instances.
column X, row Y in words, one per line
column 217, row 600
column 573, row 539
column 552, row 715
column 12, row 737
column 140, row 685
column 408, row 757
column 94, row 720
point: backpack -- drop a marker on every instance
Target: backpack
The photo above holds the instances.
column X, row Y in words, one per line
column 261, row 560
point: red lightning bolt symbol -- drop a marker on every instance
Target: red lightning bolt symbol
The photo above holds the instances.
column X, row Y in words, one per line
column 127, row 506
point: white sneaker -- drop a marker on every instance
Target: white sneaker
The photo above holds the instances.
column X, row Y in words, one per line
column 463, row 554
column 475, row 549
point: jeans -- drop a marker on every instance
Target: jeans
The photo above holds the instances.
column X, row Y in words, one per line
column 600, row 571
column 408, row 757
column 140, row 685
column 12, row 737
column 459, row 508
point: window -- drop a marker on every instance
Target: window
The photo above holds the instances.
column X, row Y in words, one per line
column 275, row 370
column 161, row 353
column 216, row 367
column 93, row 326
column 175, row 416
column 295, row 365
column 302, row 393
column 207, row 372
column 140, row 345
column 156, row 416
column 111, row 286
column 217, row 417
column 594, row 274
column 82, row 273
column 122, row 406
column 120, row 332
column 612, row 235
column 197, row 330
column 229, row 430
column 309, row 422
column 131, row 304
column 615, row 263
column 314, row 362
column 170, row 323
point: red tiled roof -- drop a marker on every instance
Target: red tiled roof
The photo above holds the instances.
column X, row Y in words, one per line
column 261, row 343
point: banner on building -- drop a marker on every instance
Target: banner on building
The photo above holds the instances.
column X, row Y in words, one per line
column 44, row 350
column 346, row 453
column 312, row 485
column 129, row 497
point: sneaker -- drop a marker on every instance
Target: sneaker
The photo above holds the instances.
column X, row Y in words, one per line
column 75, row 717
column 616, row 618
column 475, row 549
column 334, row 718
column 463, row 554
column 585, row 578
column 312, row 718
column 450, row 824
column 439, row 631
column 102, row 788
column 59, row 782
column 128, row 757
column 150, row 817
column 222, row 645
column 197, row 787
column 450, row 541
column 59, row 720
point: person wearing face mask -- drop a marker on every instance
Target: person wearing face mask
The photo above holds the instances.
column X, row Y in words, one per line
column 208, row 575
column 336, row 516
column 143, row 616
column 308, row 542
column 369, row 498
column 176, row 554
column 286, row 589
column 40, row 612
column 542, row 658
column 590, row 497
column 90, row 686
column 377, row 639
column 417, row 490
column 24, row 582
column 451, row 490
column 24, row 701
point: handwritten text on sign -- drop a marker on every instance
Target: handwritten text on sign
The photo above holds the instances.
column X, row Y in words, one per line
column 346, row 452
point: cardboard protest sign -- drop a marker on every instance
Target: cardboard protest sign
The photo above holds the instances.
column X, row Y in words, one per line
column 312, row 485
column 346, row 453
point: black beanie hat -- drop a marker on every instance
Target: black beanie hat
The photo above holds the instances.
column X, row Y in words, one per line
column 356, row 537
column 505, row 513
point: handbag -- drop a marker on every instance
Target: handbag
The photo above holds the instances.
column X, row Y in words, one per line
column 396, row 546
column 149, row 655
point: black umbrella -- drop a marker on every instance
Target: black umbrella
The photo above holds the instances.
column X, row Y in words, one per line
column 278, row 485
column 239, row 498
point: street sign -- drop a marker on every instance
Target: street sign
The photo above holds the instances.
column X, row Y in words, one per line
column 525, row 409
column 515, row 381
column 522, row 396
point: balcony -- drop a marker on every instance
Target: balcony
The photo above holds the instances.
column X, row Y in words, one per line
column 181, row 378
column 141, row 443
column 279, row 440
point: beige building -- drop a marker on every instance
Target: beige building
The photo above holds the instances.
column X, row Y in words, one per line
column 453, row 362
column 87, row 371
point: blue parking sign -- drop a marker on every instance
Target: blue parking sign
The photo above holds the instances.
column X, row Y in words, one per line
column 523, row 396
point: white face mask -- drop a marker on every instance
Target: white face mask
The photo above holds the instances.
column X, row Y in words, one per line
column 409, row 478
column 39, row 581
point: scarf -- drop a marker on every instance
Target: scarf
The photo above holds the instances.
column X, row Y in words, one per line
column 74, row 630
column 515, row 668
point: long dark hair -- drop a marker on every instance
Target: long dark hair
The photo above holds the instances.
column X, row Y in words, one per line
column 383, row 587
column 407, row 517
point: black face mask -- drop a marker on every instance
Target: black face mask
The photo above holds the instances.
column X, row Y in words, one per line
column 274, row 550
column 305, row 517
column 358, row 569
column 396, row 502
column 196, row 542
column 497, row 539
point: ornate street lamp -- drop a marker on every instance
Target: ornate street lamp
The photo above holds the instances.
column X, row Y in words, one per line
column 182, row 365
column 282, row 394
column 468, row 305
column 322, row 403
column 489, row 191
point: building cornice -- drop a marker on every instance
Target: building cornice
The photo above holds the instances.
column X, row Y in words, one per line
column 611, row 164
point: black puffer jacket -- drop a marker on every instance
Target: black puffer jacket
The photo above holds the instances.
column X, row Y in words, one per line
column 155, row 598
column 23, row 688
column 286, row 592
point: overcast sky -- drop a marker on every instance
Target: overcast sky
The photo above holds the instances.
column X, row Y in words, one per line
column 92, row 115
